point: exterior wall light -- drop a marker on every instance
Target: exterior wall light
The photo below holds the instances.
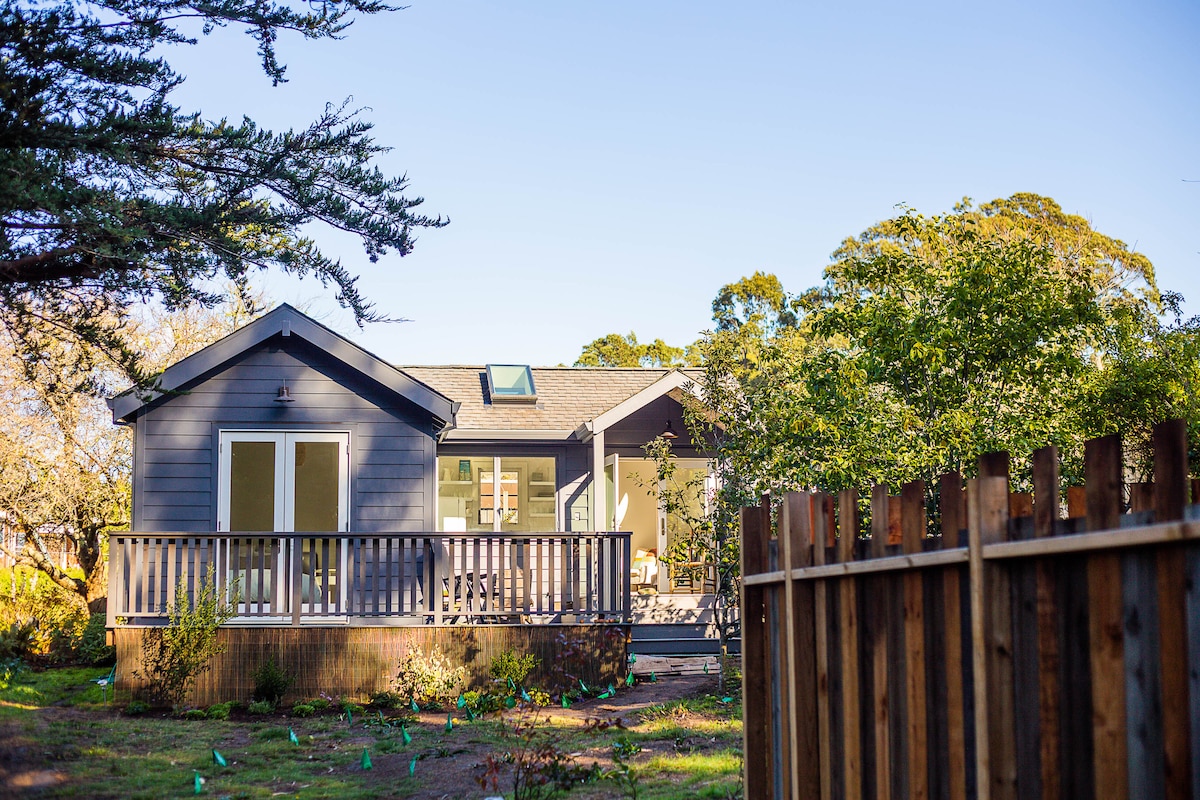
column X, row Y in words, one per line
column 285, row 395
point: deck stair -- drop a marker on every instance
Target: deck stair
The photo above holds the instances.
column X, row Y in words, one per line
column 675, row 625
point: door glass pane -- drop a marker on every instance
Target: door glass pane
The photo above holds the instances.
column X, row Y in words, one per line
column 525, row 499
column 252, row 486
column 316, row 498
column 610, row 496
column 459, row 505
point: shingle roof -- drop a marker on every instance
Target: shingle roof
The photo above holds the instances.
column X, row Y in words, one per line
column 566, row 396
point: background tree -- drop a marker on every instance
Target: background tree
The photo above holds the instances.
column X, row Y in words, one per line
column 64, row 466
column 615, row 350
column 113, row 195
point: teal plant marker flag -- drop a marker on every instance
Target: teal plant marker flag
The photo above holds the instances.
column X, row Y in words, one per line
column 219, row 759
column 416, row 708
column 462, row 701
column 611, row 690
column 366, row 759
column 604, row 695
column 197, row 782
column 292, row 737
column 470, row 714
column 583, row 686
column 406, row 735
column 629, row 679
column 349, row 717
column 566, row 703
column 705, row 667
column 653, row 677
column 449, row 723
column 510, row 702
column 412, row 767
column 633, row 658
column 726, row 699
column 525, row 695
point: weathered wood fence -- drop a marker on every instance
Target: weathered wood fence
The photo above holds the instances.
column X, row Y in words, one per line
column 1020, row 654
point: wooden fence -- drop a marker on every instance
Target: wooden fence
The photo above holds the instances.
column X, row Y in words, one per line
column 1021, row 653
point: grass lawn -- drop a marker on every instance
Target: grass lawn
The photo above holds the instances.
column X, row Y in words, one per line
column 58, row 739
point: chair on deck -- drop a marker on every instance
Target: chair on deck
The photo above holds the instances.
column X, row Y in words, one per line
column 644, row 570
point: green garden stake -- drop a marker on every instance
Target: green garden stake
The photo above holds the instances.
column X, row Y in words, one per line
column 407, row 736
column 653, row 677
column 349, row 717
column 219, row 759
column 604, row 695
column 510, row 702
column 629, row 679
column 462, row 701
column 197, row 782
column 583, row 686
column 416, row 708
column 611, row 690
column 705, row 667
column 292, row 737
column 512, row 687
column 566, row 703
column 412, row 767
column 470, row 714
column 449, row 723
column 726, row 699
column 633, row 658
column 525, row 695
column 366, row 759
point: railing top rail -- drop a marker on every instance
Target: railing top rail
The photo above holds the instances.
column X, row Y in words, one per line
column 367, row 535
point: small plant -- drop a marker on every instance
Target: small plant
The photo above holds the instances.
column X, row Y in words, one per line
column 93, row 647
column 321, row 703
column 271, row 682
column 623, row 773
column 260, row 707
column 509, row 667
column 135, row 708
column 349, row 707
column 386, row 699
column 10, row 668
column 303, row 710
column 194, row 714
column 541, row 768
column 175, row 655
column 422, row 678
column 219, row 711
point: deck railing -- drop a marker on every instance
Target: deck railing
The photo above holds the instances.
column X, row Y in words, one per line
column 376, row 578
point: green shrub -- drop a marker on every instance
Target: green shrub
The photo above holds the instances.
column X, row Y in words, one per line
column 195, row 713
column 20, row 640
column 93, row 647
column 219, row 711
column 483, row 702
column 259, row 707
column 423, row 677
column 539, row 697
column 173, row 656
column 303, row 710
column 10, row 668
column 353, row 708
column 136, row 707
column 386, row 699
column 271, row 682
column 320, row 704
column 508, row 667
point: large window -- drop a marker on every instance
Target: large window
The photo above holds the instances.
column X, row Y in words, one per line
column 486, row 493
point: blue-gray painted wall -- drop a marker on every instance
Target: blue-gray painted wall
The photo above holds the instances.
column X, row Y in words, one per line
column 392, row 446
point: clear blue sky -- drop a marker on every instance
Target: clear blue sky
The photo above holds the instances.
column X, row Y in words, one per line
column 607, row 167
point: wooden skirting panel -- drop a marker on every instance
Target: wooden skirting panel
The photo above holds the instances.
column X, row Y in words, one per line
column 358, row 661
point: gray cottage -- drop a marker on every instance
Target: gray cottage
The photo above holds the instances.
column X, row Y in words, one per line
column 333, row 489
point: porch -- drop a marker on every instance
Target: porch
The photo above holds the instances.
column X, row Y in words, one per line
column 376, row 579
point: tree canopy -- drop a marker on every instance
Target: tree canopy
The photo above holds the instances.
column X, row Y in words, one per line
column 615, row 350
column 1006, row 326
column 113, row 195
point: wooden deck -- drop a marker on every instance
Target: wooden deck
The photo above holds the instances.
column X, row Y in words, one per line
column 374, row 579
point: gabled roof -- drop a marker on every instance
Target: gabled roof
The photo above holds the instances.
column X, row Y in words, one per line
column 573, row 402
column 287, row 321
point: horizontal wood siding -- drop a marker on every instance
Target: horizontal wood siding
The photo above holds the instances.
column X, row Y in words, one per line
column 391, row 441
column 358, row 661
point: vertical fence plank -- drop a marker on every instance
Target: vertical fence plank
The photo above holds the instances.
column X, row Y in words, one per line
column 1103, row 483
column 953, row 512
column 1143, row 690
column 807, row 622
column 758, row 754
column 1192, row 626
column 1046, row 511
column 953, row 507
column 822, row 534
column 848, row 629
column 912, row 524
column 879, row 520
column 991, row 618
column 877, row 592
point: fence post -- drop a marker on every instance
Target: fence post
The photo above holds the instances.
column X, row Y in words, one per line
column 1046, row 505
column 759, row 756
column 992, row 642
column 803, row 625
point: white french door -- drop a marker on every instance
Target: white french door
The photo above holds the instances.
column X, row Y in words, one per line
column 285, row 481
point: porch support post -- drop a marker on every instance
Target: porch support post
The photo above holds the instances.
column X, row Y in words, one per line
column 599, row 509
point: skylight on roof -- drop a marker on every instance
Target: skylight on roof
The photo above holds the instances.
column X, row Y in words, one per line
column 511, row 383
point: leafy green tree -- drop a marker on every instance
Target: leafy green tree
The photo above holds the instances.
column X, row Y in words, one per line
column 113, row 195
column 615, row 350
column 933, row 340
